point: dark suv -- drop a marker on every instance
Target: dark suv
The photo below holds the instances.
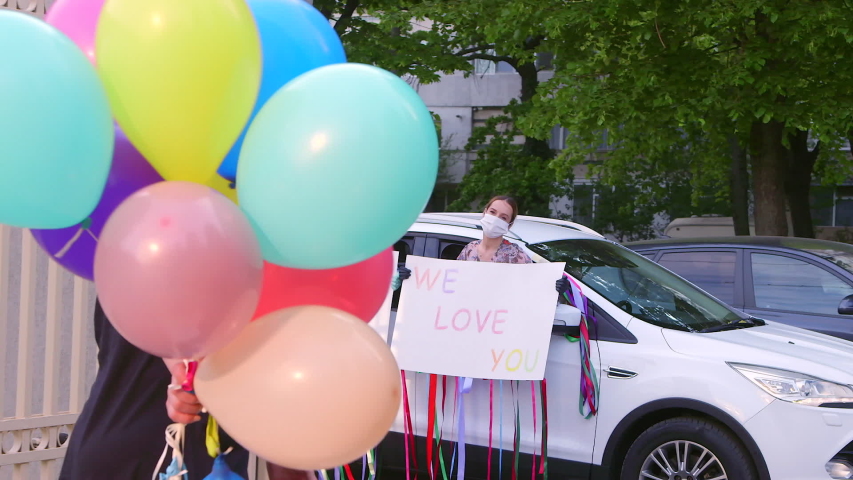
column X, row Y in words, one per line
column 802, row 282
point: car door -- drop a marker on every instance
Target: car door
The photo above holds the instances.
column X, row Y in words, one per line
column 796, row 290
column 570, row 444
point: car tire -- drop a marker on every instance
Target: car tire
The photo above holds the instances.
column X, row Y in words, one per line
column 712, row 452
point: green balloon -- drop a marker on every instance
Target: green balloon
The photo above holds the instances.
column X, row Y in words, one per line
column 56, row 129
column 337, row 166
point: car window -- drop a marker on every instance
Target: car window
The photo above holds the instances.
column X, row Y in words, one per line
column 450, row 250
column 785, row 283
column 714, row 272
column 404, row 248
column 637, row 285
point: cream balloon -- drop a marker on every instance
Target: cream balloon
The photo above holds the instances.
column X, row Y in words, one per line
column 307, row 387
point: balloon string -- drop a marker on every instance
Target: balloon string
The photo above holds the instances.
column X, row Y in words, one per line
column 175, row 440
column 69, row 244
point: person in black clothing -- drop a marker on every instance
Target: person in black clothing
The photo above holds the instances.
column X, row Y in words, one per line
column 120, row 433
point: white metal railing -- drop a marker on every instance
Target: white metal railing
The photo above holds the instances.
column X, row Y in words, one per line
column 36, row 7
column 48, row 353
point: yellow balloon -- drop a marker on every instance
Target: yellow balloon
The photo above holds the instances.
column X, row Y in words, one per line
column 182, row 77
column 223, row 186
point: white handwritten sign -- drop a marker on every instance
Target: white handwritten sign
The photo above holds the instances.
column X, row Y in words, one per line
column 473, row 319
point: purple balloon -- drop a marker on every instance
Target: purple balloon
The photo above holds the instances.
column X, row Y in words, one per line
column 74, row 247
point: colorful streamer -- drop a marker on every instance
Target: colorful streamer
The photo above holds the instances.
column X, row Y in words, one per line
column 543, row 466
column 501, row 429
column 466, row 387
column 433, row 385
column 491, row 421
column 533, row 404
column 589, row 388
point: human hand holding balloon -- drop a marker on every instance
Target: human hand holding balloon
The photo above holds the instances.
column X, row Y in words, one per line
column 181, row 405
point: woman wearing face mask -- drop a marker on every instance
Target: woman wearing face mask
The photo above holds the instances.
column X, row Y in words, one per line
column 498, row 217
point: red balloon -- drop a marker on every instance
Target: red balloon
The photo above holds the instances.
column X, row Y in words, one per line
column 358, row 289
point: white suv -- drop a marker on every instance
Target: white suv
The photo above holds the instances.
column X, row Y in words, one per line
column 689, row 388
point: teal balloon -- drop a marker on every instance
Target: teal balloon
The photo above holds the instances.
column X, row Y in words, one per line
column 56, row 129
column 337, row 166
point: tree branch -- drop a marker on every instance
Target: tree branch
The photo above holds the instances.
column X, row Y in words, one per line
column 533, row 42
column 470, row 50
column 346, row 16
column 492, row 58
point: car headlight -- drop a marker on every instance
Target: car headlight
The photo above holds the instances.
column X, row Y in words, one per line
column 795, row 387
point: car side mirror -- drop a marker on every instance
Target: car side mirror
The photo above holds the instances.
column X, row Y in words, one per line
column 846, row 306
column 567, row 320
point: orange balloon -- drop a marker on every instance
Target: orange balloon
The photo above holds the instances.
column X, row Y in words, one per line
column 307, row 387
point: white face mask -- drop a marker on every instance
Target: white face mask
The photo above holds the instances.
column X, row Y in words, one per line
column 494, row 227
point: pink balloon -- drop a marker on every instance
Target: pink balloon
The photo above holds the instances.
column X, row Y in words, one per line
column 77, row 19
column 178, row 270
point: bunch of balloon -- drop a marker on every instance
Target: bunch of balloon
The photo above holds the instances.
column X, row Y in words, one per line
column 213, row 162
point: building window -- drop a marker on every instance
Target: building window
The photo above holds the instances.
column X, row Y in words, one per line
column 559, row 137
column 822, row 202
column 832, row 206
column 583, row 204
column 544, row 61
column 488, row 67
column 844, row 206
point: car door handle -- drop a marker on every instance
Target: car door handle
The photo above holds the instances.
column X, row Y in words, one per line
column 619, row 373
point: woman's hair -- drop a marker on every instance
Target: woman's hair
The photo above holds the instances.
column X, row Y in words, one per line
column 509, row 200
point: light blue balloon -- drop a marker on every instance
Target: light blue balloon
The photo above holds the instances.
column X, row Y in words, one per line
column 337, row 166
column 56, row 130
column 295, row 38
column 221, row 471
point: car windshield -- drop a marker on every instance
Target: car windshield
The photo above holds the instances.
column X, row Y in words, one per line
column 637, row 285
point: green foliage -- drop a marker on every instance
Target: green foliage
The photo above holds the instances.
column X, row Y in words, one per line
column 652, row 72
column 503, row 167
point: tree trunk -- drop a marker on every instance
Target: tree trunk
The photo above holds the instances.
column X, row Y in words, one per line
column 769, row 158
column 739, row 185
column 534, row 146
column 798, row 183
column 529, row 84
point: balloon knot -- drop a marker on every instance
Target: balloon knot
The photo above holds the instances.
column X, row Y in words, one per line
column 192, row 366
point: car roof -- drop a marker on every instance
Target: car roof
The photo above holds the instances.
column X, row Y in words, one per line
column 794, row 243
column 525, row 228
